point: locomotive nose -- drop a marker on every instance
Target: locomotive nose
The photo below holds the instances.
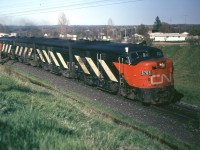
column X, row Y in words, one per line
column 162, row 73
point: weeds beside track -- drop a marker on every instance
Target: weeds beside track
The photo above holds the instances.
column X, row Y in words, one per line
column 108, row 116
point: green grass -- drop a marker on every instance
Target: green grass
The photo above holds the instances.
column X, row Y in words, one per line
column 34, row 117
column 186, row 70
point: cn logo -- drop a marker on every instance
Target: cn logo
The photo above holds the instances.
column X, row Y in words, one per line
column 160, row 79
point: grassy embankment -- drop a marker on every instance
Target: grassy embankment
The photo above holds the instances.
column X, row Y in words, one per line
column 186, row 60
column 39, row 116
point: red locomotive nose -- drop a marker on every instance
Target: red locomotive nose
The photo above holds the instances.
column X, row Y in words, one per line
column 162, row 76
column 148, row 74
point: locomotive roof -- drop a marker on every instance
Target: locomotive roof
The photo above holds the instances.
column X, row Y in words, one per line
column 102, row 46
column 110, row 47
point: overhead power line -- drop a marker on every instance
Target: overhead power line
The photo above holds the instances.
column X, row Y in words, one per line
column 69, row 6
column 30, row 4
column 57, row 5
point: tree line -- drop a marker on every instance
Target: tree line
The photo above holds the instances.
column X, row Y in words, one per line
column 110, row 30
column 158, row 26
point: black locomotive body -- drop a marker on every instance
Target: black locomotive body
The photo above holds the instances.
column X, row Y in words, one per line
column 133, row 71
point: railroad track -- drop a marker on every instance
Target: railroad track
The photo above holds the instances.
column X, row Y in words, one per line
column 180, row 119
column 107, row 115
column 185, row 113
column 182, row 112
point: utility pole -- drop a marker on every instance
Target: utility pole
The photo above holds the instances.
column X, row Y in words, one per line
column 185, row 21
column 125, row 39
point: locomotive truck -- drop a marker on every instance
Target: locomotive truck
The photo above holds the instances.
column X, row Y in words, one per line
column 131, row 70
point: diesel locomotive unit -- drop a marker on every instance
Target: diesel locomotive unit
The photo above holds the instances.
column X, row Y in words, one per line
column 131, row 70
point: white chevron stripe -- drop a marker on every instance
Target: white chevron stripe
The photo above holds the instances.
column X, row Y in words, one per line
column 40, row 55
column 81, row 63
column 25, row 51
column 6, row 48
column 62, row 60
column 47, row 57
column 16, row 51
column 107, row 70
column 3, row 47
column 54, row 58
column 20, row 51
column 29, row 52
column 94, row 67
column 9, row 48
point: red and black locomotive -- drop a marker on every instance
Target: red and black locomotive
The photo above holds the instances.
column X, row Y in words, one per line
column 134, row 71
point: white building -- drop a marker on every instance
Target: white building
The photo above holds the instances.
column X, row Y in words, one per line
column 61, row 35
column 3, row 34
column 72, row 36
column 68, row 36
column 13, row 34
column 46, row 35
column 168, row 37
column 138, row 38
column 8, row 35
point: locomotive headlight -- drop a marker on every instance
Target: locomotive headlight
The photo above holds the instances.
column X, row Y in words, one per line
column 161, row 64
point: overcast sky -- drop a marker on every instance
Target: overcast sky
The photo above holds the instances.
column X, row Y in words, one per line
column 97, row 12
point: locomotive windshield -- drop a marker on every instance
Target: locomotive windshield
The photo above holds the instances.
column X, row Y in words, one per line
column 136, row 57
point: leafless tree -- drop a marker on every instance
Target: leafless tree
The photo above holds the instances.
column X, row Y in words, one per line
column 110, row 30
column 3, row 29
column 165, row 28
column 143, row 30
column 63, row 21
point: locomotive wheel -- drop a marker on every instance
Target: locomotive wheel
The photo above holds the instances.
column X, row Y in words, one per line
column 33, row 64
column 131, row 96
column 20, row 60
column 88, row 80
column 113, row 87
column 123, row 92
column 45, row 67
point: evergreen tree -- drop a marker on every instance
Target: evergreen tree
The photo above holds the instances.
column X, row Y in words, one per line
column 157, row 25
